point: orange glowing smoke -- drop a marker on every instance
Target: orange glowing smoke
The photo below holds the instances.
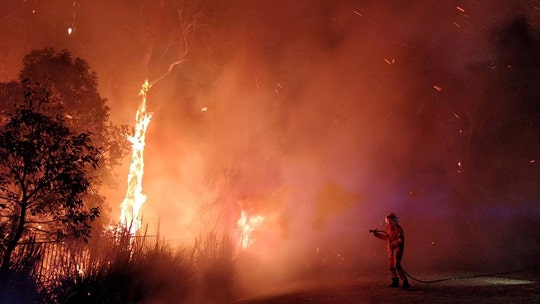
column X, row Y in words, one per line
column 246, row 225
column 131, row 206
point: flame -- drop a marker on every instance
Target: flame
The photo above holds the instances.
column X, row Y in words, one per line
column 246, row 225
column 132, row 203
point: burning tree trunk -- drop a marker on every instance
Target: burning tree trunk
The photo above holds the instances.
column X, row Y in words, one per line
column 134, row 199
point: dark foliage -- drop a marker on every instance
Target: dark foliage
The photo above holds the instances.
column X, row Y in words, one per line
column 74, row 97
column 43, row 175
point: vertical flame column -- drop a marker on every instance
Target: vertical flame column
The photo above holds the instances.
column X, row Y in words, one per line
column 132, row 203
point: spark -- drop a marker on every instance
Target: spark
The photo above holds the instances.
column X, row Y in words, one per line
column 390, row 62
column 460, row 27
column 279, row 87
column 457, row 116
column 204, row 109
column 460, row 9
column 438, row 88
column 74, row 15
column 360, row 14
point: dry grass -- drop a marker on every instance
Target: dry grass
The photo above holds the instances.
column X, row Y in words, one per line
column 118, row 268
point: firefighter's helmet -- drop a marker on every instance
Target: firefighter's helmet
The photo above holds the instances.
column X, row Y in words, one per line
column 391, row 217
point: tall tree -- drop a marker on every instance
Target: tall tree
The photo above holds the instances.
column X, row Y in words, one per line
column 78, row 94
column 44, row 175
column 76, row 99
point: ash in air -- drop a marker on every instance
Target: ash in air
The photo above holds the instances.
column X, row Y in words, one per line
column 320, row 116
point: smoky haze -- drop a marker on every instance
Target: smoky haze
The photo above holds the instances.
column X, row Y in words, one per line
column 321, row 116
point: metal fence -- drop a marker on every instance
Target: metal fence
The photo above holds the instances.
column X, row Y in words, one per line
column 53, row 260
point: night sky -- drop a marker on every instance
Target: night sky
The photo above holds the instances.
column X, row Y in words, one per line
column 321, row 116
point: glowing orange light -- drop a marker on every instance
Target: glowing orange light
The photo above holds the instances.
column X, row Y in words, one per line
column 70, row 30
column 246, row 226
column 134, row 199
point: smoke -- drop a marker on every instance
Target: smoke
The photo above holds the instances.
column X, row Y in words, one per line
column 323, row 116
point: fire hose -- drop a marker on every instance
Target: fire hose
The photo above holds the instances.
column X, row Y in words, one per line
column 375, row 231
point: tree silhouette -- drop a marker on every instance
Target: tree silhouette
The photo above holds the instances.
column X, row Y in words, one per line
column 43, row 175
column 76, row 86
column 77, row 100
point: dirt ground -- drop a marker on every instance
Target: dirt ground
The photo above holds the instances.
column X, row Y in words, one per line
column 516, row 287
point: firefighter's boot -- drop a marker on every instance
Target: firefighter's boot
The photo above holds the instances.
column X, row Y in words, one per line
column 395, row 283
column 406, row 284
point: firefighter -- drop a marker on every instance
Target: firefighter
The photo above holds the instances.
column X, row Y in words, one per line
column 395, row 238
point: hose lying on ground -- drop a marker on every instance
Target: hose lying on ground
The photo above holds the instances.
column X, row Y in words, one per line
column 374, row 231
column 460, row 277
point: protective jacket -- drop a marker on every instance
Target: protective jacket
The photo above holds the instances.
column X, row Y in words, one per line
column 394, row 236
column 396, row 240
column 395, row 245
